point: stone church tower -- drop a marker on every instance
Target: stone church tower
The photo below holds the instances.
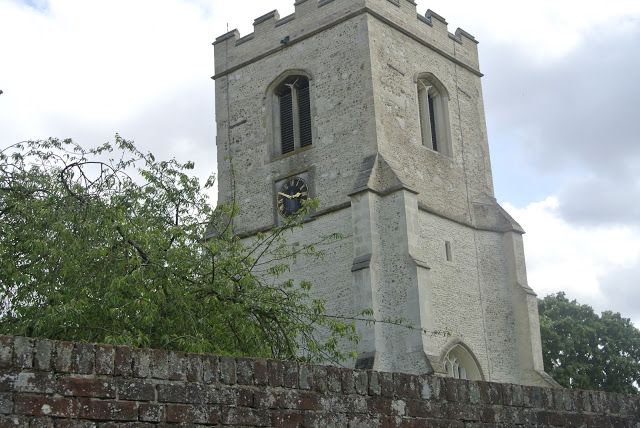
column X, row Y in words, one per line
column 378, row 113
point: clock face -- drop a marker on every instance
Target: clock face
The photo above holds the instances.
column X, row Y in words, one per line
column 291, row 195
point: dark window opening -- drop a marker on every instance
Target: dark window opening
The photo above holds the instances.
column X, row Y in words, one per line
column 432, row 119
column 434, row 116
column 304, row 112
column 294, row 103
column 287, row 139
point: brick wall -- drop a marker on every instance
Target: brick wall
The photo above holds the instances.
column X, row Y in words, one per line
column 47, row 383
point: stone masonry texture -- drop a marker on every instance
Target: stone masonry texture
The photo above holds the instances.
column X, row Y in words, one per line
column 61, row 384
column 424, row 238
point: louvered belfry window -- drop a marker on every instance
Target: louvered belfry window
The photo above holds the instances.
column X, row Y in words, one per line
column 434, row 117
column 287, row 137
column 294, row 103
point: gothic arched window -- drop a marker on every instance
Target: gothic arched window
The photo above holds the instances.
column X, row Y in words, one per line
column 460, row 364
column 433, row 102
column 292, row 114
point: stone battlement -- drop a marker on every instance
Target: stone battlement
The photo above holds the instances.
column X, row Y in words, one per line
column 272, row 33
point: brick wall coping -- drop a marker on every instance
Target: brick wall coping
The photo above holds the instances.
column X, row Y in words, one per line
column 45, row 383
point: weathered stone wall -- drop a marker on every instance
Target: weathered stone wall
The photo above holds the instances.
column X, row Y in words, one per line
column 396, row 200
column 46, row 383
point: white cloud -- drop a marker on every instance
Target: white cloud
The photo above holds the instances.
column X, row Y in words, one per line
column 544, row 29
column 578, row 260
column 89, row 68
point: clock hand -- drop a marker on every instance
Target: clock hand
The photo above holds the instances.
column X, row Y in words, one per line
column 297, row 195
column 285, row 195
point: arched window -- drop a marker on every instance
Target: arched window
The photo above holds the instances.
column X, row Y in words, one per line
column 433, row 102
column 460, row 364
column 292, row 114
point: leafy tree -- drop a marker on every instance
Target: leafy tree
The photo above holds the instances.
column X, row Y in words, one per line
column 582, row 350
column 106, row 245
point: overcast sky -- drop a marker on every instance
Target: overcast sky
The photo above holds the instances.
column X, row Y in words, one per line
column 561, row 87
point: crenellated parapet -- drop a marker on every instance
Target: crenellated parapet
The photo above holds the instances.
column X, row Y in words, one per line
column 272, row 33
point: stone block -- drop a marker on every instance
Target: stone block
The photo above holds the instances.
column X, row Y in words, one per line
column 63, row 361
column 380, row 405
column 228, row 370
column 75, row 386
column 6, row 351
column 104, row 359
column 150, row 412
column 210, row 369
column 305, row 379
column 276, row 373
column 71, row 423
column 422, row 409
column 245, row 369
column 261, row 372
column 43, row 422
column 7, row 381
column 43, row 350
column 136, row 389
column 6, row 404
column 108, row 410
column 123, row 361
column 290, row 374
column 399, row 407
column 302, row 400
column 264, row 398
column 319, row 376
column 181, row 413
column 194, row 368
column 514, row 396
column 386, row 384
column 245, row 416
column 159, row 364
column 491, row 393
column 23, row 352
column 83, row 358
column 450, row 389
column 283, row 418
column 348, row 383
column 326, row 419
column 374, row 384
column 177, row 363
column 36, row 382
column 474, row 393
column 38, row 405
column 405, row 386
column 14, row 422
column 362, row 421
column 141, row 359
column 361, row 382
column 532, row 396
column 430, row 387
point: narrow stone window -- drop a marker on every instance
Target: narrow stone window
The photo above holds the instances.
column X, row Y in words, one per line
column 432, row 122
column 293, row 126
column 434, row 115
column 447, row 251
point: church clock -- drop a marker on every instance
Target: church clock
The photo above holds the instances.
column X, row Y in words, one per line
column 291, row 195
